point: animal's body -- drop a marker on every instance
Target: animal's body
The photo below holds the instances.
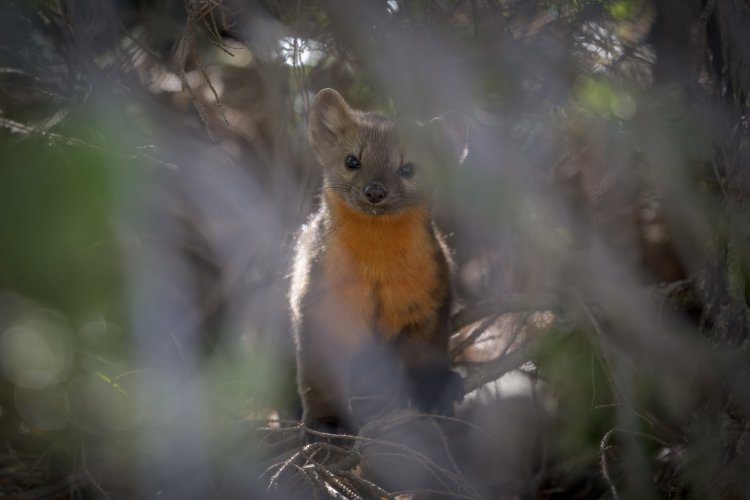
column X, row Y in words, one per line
column 371, row 294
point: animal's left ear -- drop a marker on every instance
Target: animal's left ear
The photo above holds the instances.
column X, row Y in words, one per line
column 451, row 130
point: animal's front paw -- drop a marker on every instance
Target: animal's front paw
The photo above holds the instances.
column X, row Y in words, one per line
column 323, row 429
column 435, row 389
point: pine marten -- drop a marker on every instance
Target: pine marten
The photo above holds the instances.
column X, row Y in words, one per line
column 371, row 280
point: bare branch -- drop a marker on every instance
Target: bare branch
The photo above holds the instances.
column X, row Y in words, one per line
column 509, row 303
column 481, row 374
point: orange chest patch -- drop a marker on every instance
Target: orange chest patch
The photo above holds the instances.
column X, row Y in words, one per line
column 383, row 269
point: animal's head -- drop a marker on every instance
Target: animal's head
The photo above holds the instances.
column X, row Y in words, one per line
column 374, row 164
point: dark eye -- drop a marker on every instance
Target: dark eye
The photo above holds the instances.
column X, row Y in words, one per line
column 407, row 170
column 352, row 163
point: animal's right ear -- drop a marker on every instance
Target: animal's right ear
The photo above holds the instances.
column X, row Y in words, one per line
column 330, row 115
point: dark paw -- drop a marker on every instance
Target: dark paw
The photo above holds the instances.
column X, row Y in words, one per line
column 323, row 429
column 435, row 389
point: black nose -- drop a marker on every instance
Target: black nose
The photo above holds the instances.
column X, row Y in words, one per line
column 375, row 192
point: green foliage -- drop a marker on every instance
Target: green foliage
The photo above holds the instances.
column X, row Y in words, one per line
column 57, row 240
column 600, row 97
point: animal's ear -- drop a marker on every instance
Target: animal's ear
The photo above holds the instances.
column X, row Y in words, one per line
column 330, row 115
column 451, row 131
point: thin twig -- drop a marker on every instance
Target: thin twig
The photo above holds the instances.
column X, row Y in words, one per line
column 21, row 128
column 603, row 447
column 90, row 477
